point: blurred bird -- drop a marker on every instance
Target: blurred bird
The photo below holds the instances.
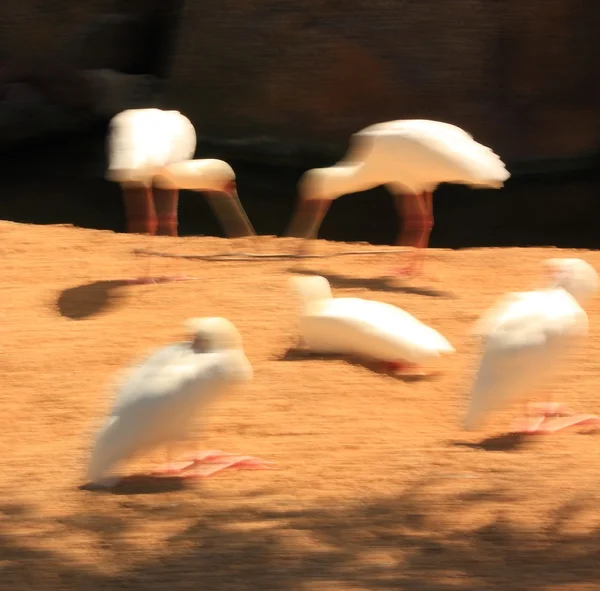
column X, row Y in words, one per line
column 161, row 397
column 364, row 328
column 149, row 153
column 411, row 157
column 526, row 336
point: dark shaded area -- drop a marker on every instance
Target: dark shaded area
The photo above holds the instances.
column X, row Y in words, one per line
column 503, row 442
column 296, row 108
column 140, row 485
column 90, row 299
column 385, row 284
column 217, row 552
column 299, row 354
column 520, row 75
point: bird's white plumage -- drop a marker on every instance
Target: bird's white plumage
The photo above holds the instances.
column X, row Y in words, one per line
column 160, row 398
column 363, row 328
column 409, row 155
column 196, row 175
column 526, row 337
column 141, row 142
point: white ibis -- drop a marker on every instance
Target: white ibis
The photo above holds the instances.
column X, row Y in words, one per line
column 149, row 153
column 161, row 397
column 526, row 336
column 411, row 157
column 365, row 329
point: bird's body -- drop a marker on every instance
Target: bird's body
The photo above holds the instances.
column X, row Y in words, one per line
column 411, row 158
column 143, row 141
column 160, row 400
column 526, row 338
column 364, row 328
column 150, row 154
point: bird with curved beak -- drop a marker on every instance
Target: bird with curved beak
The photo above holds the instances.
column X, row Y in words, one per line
column 150, row 155
column 411, row 157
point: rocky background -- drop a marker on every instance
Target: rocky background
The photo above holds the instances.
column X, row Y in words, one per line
column 276, row 87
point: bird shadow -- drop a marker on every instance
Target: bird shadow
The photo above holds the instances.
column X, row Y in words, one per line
column 502, row 442
column 89, row 299
column 384, row 284
column 299, row 354
column 140, row 484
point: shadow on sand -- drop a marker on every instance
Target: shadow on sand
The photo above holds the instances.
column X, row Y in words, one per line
column 422, row 538
column 299, row 354
column 90, row 299
column 384, row 284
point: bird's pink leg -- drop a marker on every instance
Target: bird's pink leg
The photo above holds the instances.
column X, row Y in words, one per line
column 417, row 221
column 171, row 467
column 551, row 418
column 166, row 202
column 208, row 463
column 141, row 207
column 401, row 367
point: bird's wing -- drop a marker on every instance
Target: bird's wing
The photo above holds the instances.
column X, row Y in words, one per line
column 171, row 373
column 389, row 322
column 433, row 152
column 524, row 336
column 149, row 373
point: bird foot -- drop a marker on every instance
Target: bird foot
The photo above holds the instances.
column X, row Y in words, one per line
column 413, row 268
column 553, row 417
column 408, row 272
column 402, row 368
column 158, row 279
column 211, row 462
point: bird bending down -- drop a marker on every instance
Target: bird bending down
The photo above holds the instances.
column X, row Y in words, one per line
column 149, row 154
column 526, row 336
column 160, row 398
column 366, row 329
column 411, row 157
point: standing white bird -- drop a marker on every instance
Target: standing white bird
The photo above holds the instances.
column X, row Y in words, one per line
column 162, row 396
column 364, row 328
column 411, row 157
column 526, row 337
column 149, row 154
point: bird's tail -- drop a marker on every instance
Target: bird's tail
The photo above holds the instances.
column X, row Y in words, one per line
column 482, row 398
column 104, row 453
column 311, row 288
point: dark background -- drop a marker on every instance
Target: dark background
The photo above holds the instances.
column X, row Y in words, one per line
column 294, row 82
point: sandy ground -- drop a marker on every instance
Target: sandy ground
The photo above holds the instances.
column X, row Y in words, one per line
column 378, row 486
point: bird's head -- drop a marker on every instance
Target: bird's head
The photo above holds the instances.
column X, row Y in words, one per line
column 198, row 175
column 310, row 288
column 211, row 334
column 573, row 275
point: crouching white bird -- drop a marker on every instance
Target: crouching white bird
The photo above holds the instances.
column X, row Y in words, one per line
column 526, row 336
column 411, row 157
column 366, row 329
column 162, row 396
column 149, row 155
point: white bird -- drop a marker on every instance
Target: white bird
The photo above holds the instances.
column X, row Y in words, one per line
column 526, row 336
column 366, row 329
column 161, row 397
column 149, row 154
column 411, row 157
